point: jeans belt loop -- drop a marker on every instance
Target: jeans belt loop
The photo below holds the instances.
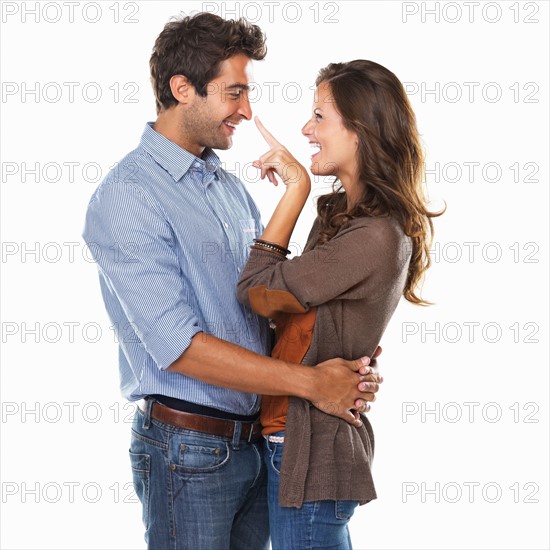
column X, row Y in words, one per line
column 250, row 433
column 147, row 415
column 236, row 434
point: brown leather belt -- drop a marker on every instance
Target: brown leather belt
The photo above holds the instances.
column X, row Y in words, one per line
column 250, row 431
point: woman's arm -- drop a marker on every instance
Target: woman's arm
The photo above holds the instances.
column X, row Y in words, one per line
column 298, row 186
column 278, row 231
column 338, row 269
column 359, row 262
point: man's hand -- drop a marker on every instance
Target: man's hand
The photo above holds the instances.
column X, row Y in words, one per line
column 344, row 388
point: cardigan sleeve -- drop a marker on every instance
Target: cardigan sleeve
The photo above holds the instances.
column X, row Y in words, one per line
column 342, row 268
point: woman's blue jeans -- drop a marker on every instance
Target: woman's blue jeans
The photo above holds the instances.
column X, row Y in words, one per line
column 322, row 524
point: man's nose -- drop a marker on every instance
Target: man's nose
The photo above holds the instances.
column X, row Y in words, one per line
column 244, row 107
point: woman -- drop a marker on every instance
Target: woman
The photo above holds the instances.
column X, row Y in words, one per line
column 368, row 246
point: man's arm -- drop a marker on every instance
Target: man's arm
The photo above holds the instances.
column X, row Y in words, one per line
column 153, row 296
column 334, row 386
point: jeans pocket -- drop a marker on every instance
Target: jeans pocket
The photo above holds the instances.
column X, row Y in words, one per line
column 141, row 471
column 276, row 455
column 202, row 455
column 344, row 509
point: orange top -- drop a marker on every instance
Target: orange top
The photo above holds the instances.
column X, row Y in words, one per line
column 294, row 333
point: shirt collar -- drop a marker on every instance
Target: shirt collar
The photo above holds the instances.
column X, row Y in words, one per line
column 175, row 160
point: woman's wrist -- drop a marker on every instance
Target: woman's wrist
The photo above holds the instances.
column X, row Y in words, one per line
column 292, row 172
column 261, row 244
column 298, row 193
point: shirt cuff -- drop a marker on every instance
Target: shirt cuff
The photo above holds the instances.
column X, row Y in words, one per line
column 170, row 347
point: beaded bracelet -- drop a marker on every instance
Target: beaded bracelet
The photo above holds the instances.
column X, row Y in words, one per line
column 265, row 249
column 272, row 246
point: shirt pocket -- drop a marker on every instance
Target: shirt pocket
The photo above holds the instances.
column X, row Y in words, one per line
column 249, row 228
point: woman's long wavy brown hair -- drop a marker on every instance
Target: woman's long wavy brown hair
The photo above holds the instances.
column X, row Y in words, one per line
column 373, row 104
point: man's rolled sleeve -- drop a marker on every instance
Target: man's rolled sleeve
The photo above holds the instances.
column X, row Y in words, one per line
column 133, row 244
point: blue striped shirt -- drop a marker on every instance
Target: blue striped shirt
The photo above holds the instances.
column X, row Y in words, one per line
column 170, row 233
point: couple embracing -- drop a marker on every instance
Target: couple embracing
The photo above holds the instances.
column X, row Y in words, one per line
column 215, row 465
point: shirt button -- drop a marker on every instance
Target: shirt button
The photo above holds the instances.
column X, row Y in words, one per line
column 226, row 225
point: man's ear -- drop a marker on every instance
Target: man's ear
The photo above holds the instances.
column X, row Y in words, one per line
column 182, row 90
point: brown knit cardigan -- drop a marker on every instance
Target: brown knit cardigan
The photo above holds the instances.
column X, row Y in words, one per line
column 355, row 280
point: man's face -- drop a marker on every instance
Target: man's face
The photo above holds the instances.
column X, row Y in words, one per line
column 211, row 121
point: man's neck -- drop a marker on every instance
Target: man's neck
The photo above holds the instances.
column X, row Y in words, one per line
column 166, row 125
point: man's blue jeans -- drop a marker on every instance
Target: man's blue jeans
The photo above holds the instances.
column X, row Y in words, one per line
column 322, row 524
column 198, row 491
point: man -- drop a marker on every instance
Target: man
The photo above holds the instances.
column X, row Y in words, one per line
column 170, row 230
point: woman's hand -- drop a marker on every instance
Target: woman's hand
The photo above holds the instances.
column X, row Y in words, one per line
column 338, row 385
column 278, row 160
column 372, row 378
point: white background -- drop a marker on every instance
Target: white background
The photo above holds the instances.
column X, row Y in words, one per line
column 65, row 470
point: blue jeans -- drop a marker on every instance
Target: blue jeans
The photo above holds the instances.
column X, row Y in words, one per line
column 321, row 524
column 198, row 491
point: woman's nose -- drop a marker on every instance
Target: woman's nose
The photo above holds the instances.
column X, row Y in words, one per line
column 306, row 130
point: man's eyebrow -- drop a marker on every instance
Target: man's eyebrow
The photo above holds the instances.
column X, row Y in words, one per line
column 238, row 86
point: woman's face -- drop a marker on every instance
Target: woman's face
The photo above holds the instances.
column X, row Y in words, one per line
column 335, row 146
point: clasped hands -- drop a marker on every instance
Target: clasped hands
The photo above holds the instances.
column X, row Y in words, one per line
column 345, row 388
